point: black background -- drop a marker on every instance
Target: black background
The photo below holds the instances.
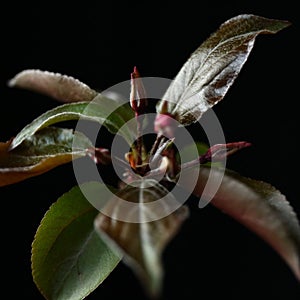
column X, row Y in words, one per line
column 99, row 43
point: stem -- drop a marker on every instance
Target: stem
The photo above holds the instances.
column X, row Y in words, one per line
column 159, row 139
column 138, row 102
column 157, row 155
column 139, row 141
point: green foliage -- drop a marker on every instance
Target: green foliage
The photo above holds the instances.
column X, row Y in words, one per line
column 97, row 111
column 39, row 153
column 76, row 246
column 69, row 259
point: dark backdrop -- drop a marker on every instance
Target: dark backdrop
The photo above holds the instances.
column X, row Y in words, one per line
column 99, row 44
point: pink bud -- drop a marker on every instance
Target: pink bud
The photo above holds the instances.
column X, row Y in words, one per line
column 166, row 125
column 138, row 98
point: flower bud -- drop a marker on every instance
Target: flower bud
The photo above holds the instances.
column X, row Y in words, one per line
column 138, row 98
column 166, row 125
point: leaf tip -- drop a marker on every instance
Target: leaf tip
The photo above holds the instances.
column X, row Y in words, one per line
column 280, row 25
column 11, row 82
column 13, row 144
column 19, row 77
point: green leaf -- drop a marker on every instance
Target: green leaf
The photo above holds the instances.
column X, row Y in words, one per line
column 101, row 110
column 69, row 259
column 258, row 206
column 144, row 236
column 60, row 87
column 40, row 153
column 210, row 71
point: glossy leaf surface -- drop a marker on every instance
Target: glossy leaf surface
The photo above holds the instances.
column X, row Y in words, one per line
column 69, row 259
column 210, row 71
column 40, row 153
column 98, row 111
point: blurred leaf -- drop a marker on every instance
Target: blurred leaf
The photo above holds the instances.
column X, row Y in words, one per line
column 60, row 87
column 210, row 71
column 69, row 259
column 142, row 239
column 40, row 153
column 258, row 206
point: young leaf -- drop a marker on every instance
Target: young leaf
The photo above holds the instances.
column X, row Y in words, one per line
column 69, row 259
column 260, row 207
column 98, row 111
column 187, row 154
column 60, row 87
column 210, row 71
column 40, row 153
column 141, row 241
